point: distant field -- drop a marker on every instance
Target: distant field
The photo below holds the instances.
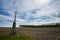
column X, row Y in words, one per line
column 42, row 33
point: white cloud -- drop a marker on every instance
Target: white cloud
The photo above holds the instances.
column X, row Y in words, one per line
column 5, row 18
column 26, row 6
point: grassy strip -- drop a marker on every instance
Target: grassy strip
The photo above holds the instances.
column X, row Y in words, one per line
column 15, row 37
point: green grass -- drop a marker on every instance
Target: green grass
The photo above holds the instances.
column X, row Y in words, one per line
column 15, row 37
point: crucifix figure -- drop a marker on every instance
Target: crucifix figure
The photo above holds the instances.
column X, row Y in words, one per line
column 13, row 32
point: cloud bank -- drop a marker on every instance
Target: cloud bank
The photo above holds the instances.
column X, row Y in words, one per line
column 29, row 12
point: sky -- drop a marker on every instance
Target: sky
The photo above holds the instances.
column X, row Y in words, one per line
column 29, row 12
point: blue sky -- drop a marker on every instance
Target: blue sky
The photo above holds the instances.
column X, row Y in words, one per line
column 29, row 12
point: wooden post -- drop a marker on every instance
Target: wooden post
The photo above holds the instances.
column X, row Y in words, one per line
column 13, row 32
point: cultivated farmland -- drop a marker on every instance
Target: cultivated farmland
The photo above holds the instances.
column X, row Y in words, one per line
column 41, row 33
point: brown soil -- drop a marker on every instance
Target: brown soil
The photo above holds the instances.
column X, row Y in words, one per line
column 43, row 33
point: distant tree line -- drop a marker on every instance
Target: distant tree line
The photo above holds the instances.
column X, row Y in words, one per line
column 56, row 25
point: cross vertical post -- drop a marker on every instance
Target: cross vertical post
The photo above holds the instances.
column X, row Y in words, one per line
column 13, row 32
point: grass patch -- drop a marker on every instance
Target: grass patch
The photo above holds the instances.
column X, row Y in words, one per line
column 15, row 37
